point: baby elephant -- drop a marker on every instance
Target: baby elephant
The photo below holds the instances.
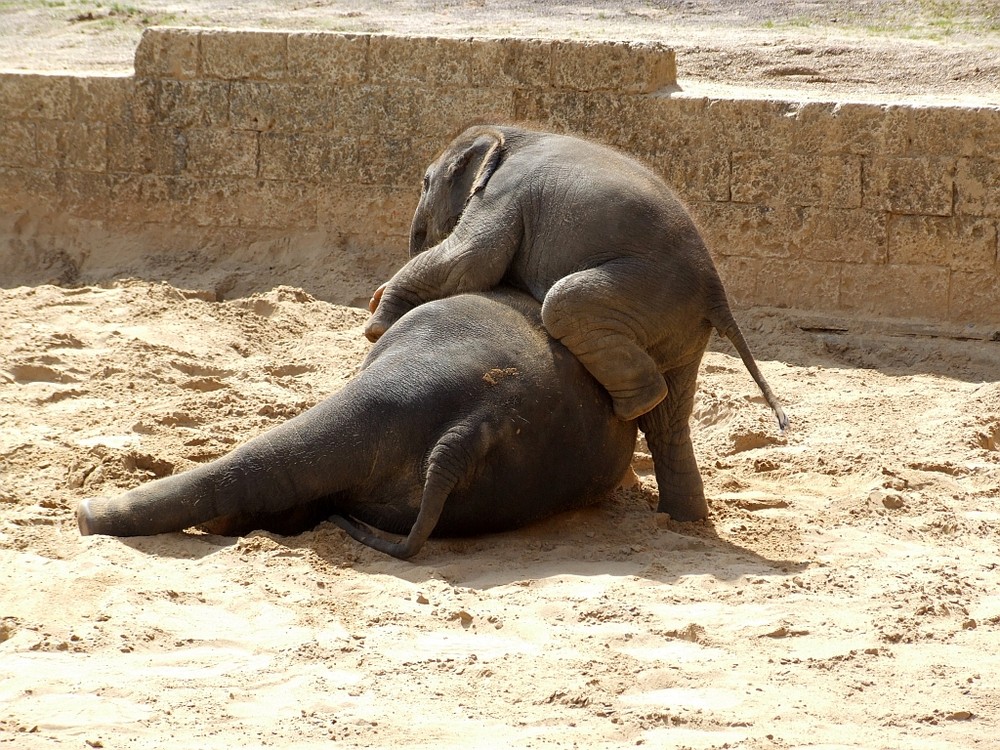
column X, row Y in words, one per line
column 625, row 279
column 466, row 418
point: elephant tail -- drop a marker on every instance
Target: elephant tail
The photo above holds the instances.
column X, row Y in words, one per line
column 453, row 458
column 723, row 321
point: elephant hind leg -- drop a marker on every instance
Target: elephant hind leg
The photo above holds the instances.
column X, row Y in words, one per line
column 668, row 434
column 585, row 311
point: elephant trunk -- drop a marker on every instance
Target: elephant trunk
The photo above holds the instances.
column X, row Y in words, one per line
column 305, row 459
column 418, row 237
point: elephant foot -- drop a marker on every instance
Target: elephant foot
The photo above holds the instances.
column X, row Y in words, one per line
column 84, row 518
column 634, row 403
column 683, row 506
column 374, row 330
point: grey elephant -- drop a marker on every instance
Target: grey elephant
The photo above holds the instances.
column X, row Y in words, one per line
column 466, row 418
column 626, row 282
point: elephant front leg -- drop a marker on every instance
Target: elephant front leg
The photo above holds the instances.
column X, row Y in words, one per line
column 387, row 305
column 473, row 258
column 668, row 434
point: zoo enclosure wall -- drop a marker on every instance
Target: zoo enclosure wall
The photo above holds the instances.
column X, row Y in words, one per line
column 307, row 150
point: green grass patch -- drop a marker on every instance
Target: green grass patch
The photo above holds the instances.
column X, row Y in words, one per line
column 925, row 19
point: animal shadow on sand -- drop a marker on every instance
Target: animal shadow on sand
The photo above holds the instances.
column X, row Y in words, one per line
column 619, row 536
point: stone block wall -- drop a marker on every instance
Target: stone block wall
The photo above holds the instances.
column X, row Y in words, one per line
column 306, row 150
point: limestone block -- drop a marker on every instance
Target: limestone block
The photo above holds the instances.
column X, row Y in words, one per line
column 605, row 117
column 785, row 282
column 207, row 202
column 26, row 187
column 283, row 107
column 753, row 124
column 849, row 128
column 558, row 112
column 17, row 144
column 672, row 125
column 815, row 234
column 186, row 104
column 167, row 53
column 977, row 186
column 910, row 185
column 958, row 242
column 900, row 291
column 360, row 210
column 695, row 176
column 362, row 111
column 147, row 199
column 739, row 275
column 145, row 149
column 101, row 98
column 975, row 297
column 244, row 55
column 953, row 131
column 36, row 97
column 841, row 235
column 747, row 230
column 328, row 58
column 220, row 152
column 308, row 157
column 442, row 114
column 511, row 63
column 390, row 161
column 275, row 204
column 622, row 67
column 140, row 104
column 83, row 194
column 832, row 180
column 73, row 145
column 415, row 61
column 395, row 112
column 231, row 202
column 385, row 120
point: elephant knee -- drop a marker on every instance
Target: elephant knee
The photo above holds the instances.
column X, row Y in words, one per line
column 570, row 315
column 554, row 316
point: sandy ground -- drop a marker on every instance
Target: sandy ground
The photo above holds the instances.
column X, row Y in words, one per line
column 843, row 594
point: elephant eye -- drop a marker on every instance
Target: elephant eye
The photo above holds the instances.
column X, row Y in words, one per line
column 427, row 182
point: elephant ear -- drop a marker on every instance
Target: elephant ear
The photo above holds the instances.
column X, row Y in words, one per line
column 472, row 168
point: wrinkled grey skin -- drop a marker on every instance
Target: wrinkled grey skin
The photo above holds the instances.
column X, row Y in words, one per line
column 625, row 279
column 466, row 418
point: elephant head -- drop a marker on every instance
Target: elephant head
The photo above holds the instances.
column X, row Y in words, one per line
column 451, row 181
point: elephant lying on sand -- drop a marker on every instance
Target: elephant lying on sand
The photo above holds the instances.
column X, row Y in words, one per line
column 625, row 279
column 466, row 418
